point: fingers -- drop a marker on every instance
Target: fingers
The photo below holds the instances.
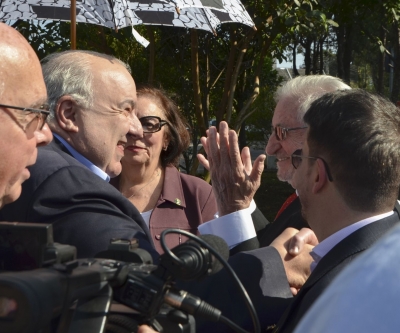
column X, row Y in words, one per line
column 258, row 168
column 213, row 145
column 300, row 239
column 145, row 329
column 294, row 291
column 203, row 161
column 224, row 143
column 246, row 160
column 203, row 141
column 284, row 238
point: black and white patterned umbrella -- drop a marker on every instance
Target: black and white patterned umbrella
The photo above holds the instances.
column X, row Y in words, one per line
column 116, row 14
column 205, row 14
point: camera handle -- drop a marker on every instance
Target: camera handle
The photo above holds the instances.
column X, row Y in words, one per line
column 90, row 314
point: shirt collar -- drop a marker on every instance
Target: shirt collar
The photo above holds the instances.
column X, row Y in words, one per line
column 82, row 159
column 329, row 243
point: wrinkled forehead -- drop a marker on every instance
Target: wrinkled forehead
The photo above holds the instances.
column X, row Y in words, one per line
column 286, row 114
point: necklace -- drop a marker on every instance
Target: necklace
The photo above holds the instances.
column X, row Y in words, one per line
column 148, row 183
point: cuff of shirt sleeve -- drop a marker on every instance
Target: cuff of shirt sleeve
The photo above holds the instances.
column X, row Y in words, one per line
column 234, row 228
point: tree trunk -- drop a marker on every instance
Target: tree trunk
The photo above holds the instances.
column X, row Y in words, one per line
column 395, row 96
column 238, row 64
column 340, row 50
column 381, row 62
column 315, row 57
column 321, row 55
column 152, row 52
column 228, row 76
column 196, row 82
column 294, row 54
column 347, row 53
column 307, row 55
column 206, row 89
column 244, row 113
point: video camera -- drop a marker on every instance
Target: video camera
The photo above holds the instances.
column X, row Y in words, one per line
column 61, row 294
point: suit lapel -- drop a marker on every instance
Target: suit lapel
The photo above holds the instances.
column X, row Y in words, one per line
column 358, row 241
column 125, row 205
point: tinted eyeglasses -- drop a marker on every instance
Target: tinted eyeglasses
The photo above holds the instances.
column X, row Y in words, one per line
column 29, row 119
column 152, row 124
column 297, row 158
column 281, row 132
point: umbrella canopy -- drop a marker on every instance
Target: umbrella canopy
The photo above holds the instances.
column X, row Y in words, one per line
column 116, row 14
column 198, row 17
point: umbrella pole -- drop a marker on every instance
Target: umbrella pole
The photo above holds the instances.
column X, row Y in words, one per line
column 73, row 24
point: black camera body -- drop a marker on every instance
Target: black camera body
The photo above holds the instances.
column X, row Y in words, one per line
column 50, row 280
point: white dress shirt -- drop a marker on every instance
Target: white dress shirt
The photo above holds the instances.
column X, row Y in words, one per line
column 329, row 243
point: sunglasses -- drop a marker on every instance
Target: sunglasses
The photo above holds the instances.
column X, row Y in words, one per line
column 297, row 158
column 281, row 132
column 30, row 120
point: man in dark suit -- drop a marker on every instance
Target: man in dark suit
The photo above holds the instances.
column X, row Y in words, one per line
column 348, row 180
column 235, row 180
column 92, row 101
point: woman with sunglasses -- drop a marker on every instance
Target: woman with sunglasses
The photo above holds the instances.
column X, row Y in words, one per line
column 150, row 180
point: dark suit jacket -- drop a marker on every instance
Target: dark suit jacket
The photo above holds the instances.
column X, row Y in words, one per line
column 290, row 217
column 330, row 266
column 262, row 273
column 85, row 210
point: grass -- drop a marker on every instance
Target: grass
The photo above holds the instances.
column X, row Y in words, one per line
column 271, row 194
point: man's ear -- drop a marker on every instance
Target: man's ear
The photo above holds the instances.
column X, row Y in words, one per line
column 320, row 176
column 66, row 114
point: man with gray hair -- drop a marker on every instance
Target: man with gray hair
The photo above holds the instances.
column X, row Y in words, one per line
column 237, row 184
column 92, row 98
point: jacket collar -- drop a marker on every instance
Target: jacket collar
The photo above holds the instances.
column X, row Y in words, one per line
column 358, row 241
column 172, row 187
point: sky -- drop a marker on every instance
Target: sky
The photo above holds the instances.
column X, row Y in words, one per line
column 285, row 64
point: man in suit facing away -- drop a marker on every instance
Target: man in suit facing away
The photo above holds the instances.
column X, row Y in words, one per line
column 347, row 178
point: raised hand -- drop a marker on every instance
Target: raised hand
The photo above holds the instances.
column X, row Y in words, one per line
column 234, row 179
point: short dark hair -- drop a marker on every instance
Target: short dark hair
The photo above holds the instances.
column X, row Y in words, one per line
column 177, row 128
column 358, row 134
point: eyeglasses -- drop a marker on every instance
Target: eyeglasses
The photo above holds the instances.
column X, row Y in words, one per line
column 152, row 124
column 281, row 132
column 30, row 120
column 297, row 157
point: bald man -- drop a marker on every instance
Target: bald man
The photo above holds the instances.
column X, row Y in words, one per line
column 23, row 112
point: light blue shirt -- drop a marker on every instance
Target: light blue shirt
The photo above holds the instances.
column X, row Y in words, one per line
column 96, row 170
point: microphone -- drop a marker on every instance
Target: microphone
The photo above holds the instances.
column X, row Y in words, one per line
column 192, row 260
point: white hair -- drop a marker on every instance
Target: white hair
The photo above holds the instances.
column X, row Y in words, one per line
column 303, row 90
column 70, row 73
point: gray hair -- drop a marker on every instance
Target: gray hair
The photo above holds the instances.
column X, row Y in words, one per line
column 303, row 90
column 70, row 73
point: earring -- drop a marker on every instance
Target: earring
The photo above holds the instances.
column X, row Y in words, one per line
column 165, row 148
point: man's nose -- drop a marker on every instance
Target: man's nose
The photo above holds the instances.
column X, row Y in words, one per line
column 273, row 145
column 43, row 136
